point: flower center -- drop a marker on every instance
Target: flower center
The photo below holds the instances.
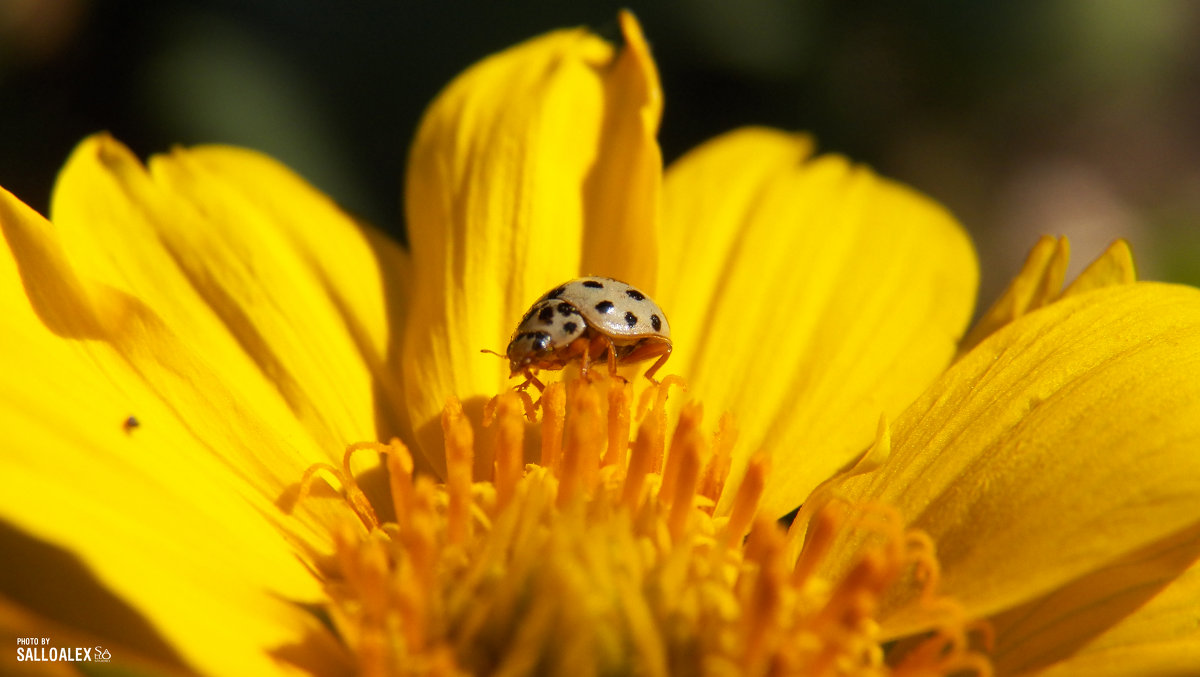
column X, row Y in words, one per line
column 607, row 558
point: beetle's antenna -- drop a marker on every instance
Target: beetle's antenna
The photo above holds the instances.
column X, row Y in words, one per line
column 485, row 350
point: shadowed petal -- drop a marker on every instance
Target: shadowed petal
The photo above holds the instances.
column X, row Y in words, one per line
column 1063, row 443
column 1139, row 612
column 1161, row 638
column 1040, row 282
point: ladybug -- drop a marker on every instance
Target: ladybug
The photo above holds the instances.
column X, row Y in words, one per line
column 587, row 318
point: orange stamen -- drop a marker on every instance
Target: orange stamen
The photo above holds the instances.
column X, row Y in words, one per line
column 716, row 471
column 400, row 473
column 745, row 502
column 613, row 566
column 649, row 438
column 818, row 540
column 685, row 433
column 687, row 474
column 581, row 458
column 618, row 423
column 554, row 413
column 510, row 447
column 354, row 495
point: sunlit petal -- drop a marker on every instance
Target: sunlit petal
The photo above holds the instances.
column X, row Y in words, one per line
column 203, row 544
column 807, row 296
column 200, row 250
column 622, row 190
column 524, row 169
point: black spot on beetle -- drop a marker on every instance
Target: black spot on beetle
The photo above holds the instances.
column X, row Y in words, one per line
column 593, row 284
column 630, row 319
column 541, row 341
column 566, row 309
column 556, row 293
column 570, row 327
column 635, row 295
column 656, row 322
column 604, row 306
column 546, row 315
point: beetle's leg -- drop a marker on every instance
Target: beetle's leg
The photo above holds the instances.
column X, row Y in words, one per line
column 658, row 365
column 585, row 360
column 612, row 362
column 531, row 380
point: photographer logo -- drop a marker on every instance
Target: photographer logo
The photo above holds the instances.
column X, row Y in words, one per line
column 42, row 649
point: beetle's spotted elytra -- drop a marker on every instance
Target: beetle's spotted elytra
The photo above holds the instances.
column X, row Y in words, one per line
column 586, row 319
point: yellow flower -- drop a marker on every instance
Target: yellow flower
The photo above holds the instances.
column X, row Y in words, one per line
column 191, row 348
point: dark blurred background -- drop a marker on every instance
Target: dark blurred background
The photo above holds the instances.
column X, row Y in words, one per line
column 1025, row 117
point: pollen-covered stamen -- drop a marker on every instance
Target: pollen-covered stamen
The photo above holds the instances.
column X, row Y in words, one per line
column 687, row 448
column 641, row 463
column 607, row 560
column 819, row 538
column 581, row 464
column 716, row 471
column 510, row 445
column 554, row 414
column 685, row 437
column 619, row 394
column 765, row 593
column 460, row 456
column 745, row 502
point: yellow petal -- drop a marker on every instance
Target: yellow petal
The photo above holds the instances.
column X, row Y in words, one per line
column 1161, row 638
column 174, row 286
column 1040, row 282
column 155, row 514
column 1062, row 443
column 622, row 191
column 1037, row 284
column 529, row 158
column 262, row 273
column 1132, row 612
column 808, row 296
column 1114, row 266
